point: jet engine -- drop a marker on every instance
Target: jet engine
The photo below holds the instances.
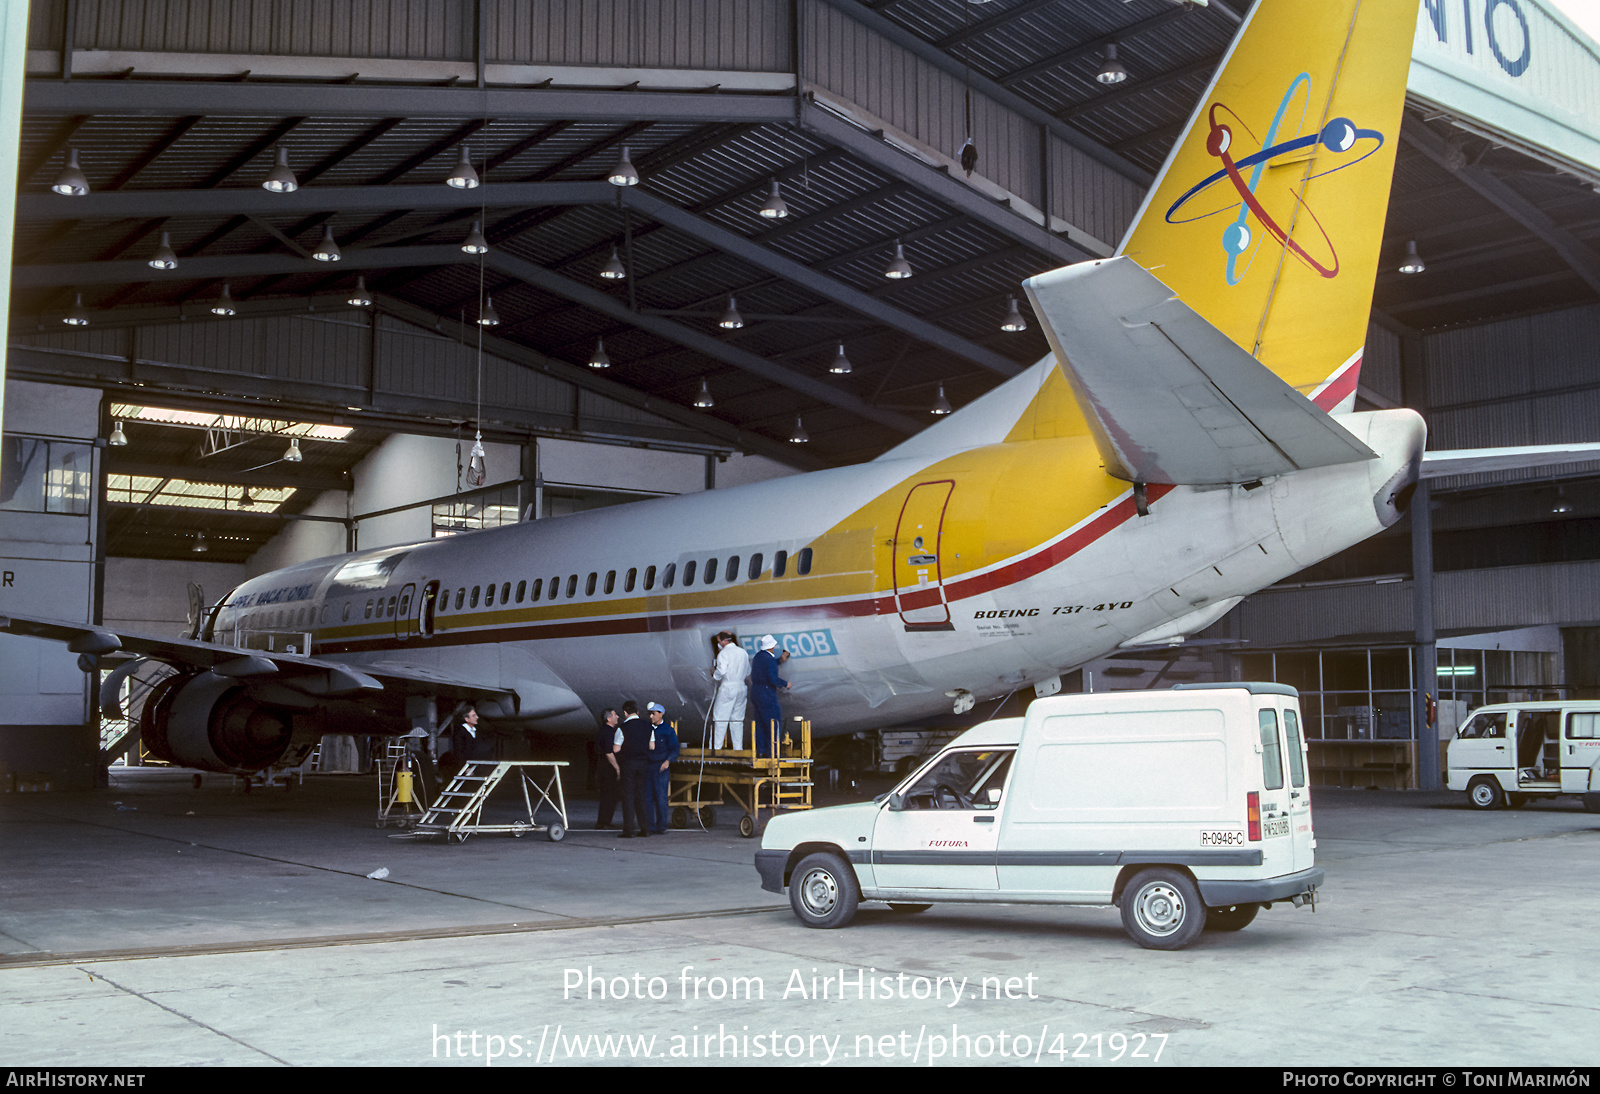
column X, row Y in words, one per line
column 211, row 722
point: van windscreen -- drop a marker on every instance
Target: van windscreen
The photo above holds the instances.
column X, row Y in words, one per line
column 1271, row 754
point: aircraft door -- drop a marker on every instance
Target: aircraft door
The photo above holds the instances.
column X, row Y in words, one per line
column 426, row 606
column 404, row 624
column 918, row 569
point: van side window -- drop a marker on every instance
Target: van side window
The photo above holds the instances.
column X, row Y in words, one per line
column 627, row 582
column 649, row 578
column 803, row 564
column 1297, row 763
column 1271, row 753
column 755, row 565
column 733, row 569
column 1583, row 727
column 961, row 780
column 780, row 563
column 1485, row 725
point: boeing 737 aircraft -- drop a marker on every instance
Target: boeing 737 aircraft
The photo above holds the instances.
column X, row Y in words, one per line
column 1190, row 440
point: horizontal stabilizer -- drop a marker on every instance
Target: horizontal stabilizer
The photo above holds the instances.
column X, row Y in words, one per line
column 1170, row 398
column 1472, row 461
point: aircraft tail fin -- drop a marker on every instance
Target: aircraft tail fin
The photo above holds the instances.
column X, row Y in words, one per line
column 1267, row 217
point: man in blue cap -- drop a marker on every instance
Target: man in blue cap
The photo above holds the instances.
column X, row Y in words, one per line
column 664, row 748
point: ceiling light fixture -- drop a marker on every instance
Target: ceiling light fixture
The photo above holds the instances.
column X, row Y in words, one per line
column 624, row 173
column 72, row 181
column 118, row 438
column 359, row 296
column 898, row 269
column 246, row 501
column 475, row 244
column 941, row 405
column 1412, row 264
column 731, row 319
column 799, row 436
column 164, row 258
column 598, row 358
column 704, row 400
column 281, row 180
column 327, row 249
column 1013, row 321
column 224, row 303
column 76, row 315
column 1111, row 72
column 488, row 317
column 841, row 363
column 292, row 454
column 1562, row 506
column 200, row 547
column 614, row 270
column 463, row 177
column 775, row 209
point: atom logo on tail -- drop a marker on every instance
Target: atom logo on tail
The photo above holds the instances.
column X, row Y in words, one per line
column 1272, row 208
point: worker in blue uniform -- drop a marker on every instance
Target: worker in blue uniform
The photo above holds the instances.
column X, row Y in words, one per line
column 765, row 683
column 664, row 748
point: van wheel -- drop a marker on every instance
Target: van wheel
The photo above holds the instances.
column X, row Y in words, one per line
column 909, row 909
column 822, row 891
column 1484, row 793
column 1235, row 917
column 1161, row 910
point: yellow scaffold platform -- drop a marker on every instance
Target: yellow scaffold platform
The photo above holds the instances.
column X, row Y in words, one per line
column 704, row 778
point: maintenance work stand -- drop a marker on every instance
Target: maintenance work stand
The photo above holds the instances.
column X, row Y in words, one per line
column 704, row 778
column 458, row 810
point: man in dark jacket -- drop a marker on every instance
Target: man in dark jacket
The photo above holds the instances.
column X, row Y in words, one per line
column 664, row 749
column 608, row 776
column 635, row 761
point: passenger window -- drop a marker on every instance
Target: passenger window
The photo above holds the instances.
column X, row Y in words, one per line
column 733, row 569
column 588, row 586
column 962, row 780
column 572, row 586
column 505, row 593
column 627, row 582
column 472, row 602
column 688, row 573
column 780, row 563
column 669, row 573
column 1297, row 765
column 461, row 596
column 1583, row 727
column 488, row 596
column 711, row 571
column 538, row 588
column 391, row 607
column 611, row 581
column 1271, row 753
column 405, row 604
column 522, row 588
column 649, row 578
column 555, row 587
column 803, row 564
column 344, row 616
column 755, row 565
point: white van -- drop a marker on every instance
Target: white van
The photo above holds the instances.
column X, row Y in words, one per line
column 1508, row 753
column 1186, row 808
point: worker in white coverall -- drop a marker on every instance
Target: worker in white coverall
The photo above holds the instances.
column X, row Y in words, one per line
column 731, row 673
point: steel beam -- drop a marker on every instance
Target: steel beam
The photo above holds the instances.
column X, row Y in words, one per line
column 156, row 98
column 308, row 199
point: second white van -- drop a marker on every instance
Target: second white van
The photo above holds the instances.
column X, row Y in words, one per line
column 1509, row 753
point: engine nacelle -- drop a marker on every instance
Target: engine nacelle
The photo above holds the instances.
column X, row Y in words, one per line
column 213, row 723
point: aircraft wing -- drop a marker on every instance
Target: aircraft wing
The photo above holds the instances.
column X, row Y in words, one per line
column 313, row 676
column 1471, row 461
column 1170, row 398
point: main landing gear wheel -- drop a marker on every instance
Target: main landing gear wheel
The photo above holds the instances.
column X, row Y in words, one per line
column 1484, row 793
column 822, row 891
column 747, row 826
column 1233, row 918
column 1161, row 909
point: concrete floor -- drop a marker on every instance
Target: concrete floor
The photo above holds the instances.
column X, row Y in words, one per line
column 156, row 924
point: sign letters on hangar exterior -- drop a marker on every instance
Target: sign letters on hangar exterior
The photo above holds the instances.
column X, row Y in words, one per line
column 1514, row 71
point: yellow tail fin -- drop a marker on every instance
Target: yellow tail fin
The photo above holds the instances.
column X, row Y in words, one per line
column 1268, row 214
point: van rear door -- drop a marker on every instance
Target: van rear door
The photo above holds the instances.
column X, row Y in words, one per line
column 1299, row 791
column 1279, row 799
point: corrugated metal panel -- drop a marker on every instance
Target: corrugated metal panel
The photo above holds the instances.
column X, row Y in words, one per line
column 1289, row 617
column 1380, row 364
column 1087, row 193
column 297, row 348
column 417, row 29
column 743, row 35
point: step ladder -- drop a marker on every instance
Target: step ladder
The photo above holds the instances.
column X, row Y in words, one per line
column 458, row 810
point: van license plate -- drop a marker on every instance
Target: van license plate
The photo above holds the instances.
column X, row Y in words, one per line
column 1275, row 826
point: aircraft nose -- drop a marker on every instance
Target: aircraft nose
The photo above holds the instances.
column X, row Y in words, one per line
column 1398, row 437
